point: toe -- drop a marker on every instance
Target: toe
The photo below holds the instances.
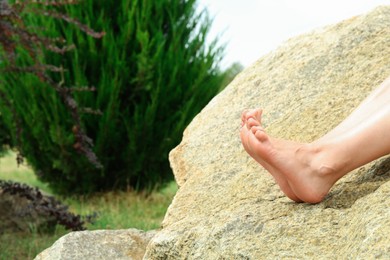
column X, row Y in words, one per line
column 252, row 113
column 254, row 129
column 245, row 114
column 252, row 123
column 255, row 113
column 244, row 136
column 260, row 134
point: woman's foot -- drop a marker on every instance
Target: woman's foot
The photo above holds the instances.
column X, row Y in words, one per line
column 253, row 118
column 303, row 171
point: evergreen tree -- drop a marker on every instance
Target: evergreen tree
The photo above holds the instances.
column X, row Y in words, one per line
column 152, row 72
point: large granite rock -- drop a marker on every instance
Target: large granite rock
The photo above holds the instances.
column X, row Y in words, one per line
column 99, row 244
column 228, row 207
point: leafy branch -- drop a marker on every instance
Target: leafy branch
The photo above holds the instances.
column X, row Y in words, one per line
column 15, row 34
column 47, row 205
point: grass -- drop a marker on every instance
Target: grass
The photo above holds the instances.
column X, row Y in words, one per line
column 9, row 170
column 116, row 210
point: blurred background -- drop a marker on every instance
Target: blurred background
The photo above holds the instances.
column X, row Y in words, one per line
column 94, row 95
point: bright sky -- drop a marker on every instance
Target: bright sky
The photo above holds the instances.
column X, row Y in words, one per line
column 252, row 28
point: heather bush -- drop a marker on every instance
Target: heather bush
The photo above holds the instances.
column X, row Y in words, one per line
column 41, row 209
column 152, row 73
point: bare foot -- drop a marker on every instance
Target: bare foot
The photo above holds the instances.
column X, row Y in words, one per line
column 253, row 118
column 298, row 168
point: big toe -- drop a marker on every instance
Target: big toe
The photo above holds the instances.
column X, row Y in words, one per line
column 259, row 133
column 255, row 113
column 246, row 114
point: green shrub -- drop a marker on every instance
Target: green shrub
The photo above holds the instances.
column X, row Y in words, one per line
column 5, row 137
column 152, row 72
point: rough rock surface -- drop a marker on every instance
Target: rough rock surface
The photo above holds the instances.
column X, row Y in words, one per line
column 228, row 207
column 99, row 244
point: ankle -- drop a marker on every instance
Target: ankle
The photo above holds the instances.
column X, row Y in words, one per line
column 317, row 157
column 327, row 160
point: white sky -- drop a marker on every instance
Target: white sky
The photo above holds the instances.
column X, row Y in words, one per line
column 251, row 28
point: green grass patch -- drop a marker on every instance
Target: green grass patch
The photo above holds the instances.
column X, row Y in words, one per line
column 26, row 246
column 116, row 210
column 9, row 170
column 120, row 209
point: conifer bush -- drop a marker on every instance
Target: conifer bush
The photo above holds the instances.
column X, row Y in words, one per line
column 5, row 138
column 151, row 74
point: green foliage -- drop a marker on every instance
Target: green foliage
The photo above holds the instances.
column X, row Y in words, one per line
column 5, row 137
column 152, row 72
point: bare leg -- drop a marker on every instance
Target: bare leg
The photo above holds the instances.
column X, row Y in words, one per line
column 307, row 171
column 375, row 101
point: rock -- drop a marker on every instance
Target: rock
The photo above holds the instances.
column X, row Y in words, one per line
column 99, row 244
column 228, row 207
